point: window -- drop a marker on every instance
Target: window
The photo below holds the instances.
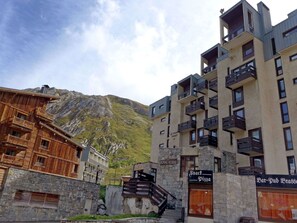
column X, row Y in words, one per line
column 153, row 111
column 40, row 161
column 285, row 112
column 237, row 95
column 295, row 80
column 163, row 119
column 161, row 106
column 16, row 134
column 293, row 57
column 75, row 168
column 248, row 50
column 278, row 66
column 250, row 20
column 200, row 133
column 291, row 165
column 273, row 46
column 187, row 163
column 200, row 202
column 10, row 152
column 168, row 131
column 281, row 88
column 239, row 113
column 288, row 138
column 217, row 164
column 255, row 133
column 21, row 116
column 290, row 31
column 161, row 145
column 35, row 199
column 258, row 162
column 276, row 206
column 169, row 116
column 193, row 137
column 44, row 144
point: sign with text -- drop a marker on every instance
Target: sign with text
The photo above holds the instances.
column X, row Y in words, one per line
column 279, row 181
column 200, row 176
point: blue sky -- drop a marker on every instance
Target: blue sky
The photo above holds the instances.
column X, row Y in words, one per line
column 129, row 48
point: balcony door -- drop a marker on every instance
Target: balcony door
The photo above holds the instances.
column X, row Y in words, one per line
column 258, row 161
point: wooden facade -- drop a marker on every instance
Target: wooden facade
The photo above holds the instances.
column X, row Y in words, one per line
column 29, row 139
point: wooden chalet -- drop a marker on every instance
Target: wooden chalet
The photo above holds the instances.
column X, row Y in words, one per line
column 29, row 139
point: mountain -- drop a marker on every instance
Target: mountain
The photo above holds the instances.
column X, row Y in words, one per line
column 117, row 127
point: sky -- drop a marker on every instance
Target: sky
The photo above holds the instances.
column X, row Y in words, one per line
column 134, row 49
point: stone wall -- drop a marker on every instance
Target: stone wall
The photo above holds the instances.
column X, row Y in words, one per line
column 229, row 162
column 114, row 200
column 138, row 206
column 75, row 196
column 206, row 158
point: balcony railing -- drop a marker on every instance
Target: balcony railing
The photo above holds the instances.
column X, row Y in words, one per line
column 250, row 170
column 250, row 146
column 23, row 124
column 187, row 126
column 233, row 34
column 14, row 160
column 198, row 106
column 241, row 77
column 211, row 123
column 42, row 114
column 202, row 87
column 213, row 102
column 209, row 69
column 13, row 140
column 234, row 123
column 213, row 85
column 208, row 140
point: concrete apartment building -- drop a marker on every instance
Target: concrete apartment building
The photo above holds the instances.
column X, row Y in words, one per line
column 235, row 121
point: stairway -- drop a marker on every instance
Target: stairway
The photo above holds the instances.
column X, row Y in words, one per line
column 171, row 216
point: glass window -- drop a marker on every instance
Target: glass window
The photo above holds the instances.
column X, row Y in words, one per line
column 21, row 116
column 248, row 50
column 293, row 57
column 16, row 134
column 161, row 145
column 200, row 133
column 40, row 161
column 153, row 111
column 288, row 138
column 285, row 112
column 187, row 163
column 290, row 31
column 217, row 164
column 291, row 165
column 161, row 106
column 162, row 132
column 239, row 113
column 278, row 66
column 193, row 137
column 238, row 97
column 200, row 202
column 255, row 133
column 281, row 88
column 44, row 144
column 163, row 119
column 276, row 206
column 295, row 80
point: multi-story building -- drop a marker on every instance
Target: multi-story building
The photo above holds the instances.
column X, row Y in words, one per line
column 39, row 163
column 93, row 166
column 237, row 119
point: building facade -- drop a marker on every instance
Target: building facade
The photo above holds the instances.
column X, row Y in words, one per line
column 93, row 166
column 238, row 117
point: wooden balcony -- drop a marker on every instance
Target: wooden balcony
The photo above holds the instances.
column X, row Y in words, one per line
column 14, row 141
column 237, row 37
column 21, row 124
column 208, row 140
column 213, row 85
column 234, row 123
column 194, row 108
column 42, row 114
column 213, row 102
column 211, row 123
column 202, row 87
column 250, row 170
column 13, row 160
column 241, row 77
column 209, row 72
column 250, row 146
column 187, row 126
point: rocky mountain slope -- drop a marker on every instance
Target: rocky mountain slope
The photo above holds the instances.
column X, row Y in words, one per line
column 117, row 127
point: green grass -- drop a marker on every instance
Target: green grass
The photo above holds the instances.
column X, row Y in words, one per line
column 99, row 217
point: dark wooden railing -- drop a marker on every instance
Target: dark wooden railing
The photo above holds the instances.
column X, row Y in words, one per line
column 211, row 123
column 187, row 126
column 233, row 122
column 14, row 160
column 250, row 170
column 202, row 86
column 213, row 102
column 138, row 188
column 249, row 146
column 208, row 140
column 209, row 69
column 233, row 34
column 213, row 84
column 21, row 122
column 241, row 75
column 199, row 105
column 10, row 139
column 186, row 94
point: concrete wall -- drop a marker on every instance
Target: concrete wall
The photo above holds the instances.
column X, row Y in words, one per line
column 74, row 196
column 114, row 200
column 138, row 206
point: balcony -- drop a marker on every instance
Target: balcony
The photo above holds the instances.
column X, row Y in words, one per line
column 236, row 37
column 213, row 102
column 241, row 77
column 202, row 87
column 210, row 72
column 211, row 123
column 21, row 124
column 194, row 108
column 187, row 126
column 250, row 146
column 233, row 123
column 187, row 96
column 250, row 170
column 213, row 85
column 42, row 114
column 13, row 160
column 208, row 140
column 14, row 141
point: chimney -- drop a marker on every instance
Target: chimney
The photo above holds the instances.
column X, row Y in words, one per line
column 44, row 89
